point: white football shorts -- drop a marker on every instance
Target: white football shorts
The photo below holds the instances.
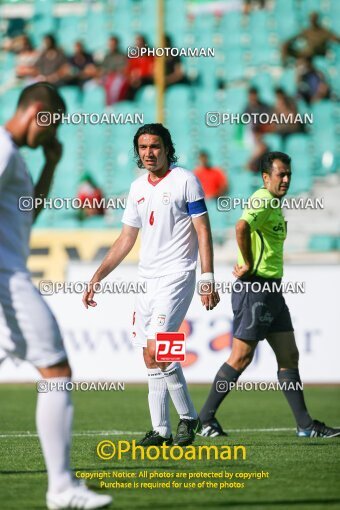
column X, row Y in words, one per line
column 28, row 328
column 163, row 307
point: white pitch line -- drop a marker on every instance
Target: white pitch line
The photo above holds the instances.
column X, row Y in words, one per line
column 131, row 433
column 78, row 434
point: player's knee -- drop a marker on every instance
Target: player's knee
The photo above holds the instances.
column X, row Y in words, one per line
column 152, row 352
column 149, row 357
column 241, row 361
column 61, row 369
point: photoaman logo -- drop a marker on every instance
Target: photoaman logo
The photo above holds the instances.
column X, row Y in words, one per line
column 170, row 346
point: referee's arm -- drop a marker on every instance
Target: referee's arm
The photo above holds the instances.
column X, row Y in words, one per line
column 244, row 243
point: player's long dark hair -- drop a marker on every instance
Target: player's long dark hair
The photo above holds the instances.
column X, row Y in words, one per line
column 163, row 133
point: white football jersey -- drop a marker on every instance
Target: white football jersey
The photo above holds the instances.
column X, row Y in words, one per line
column 163, row 211
column 15, row 225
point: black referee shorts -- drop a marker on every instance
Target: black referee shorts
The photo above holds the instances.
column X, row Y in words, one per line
column 258, row 309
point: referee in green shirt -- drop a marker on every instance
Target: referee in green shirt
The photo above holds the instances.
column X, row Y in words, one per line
column 263, row 314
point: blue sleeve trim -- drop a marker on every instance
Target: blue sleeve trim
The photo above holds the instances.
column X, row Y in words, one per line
column 197, row 207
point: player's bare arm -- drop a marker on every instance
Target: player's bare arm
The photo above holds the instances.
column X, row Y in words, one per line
column 117, row 253
column 52, row 153
column 205, row 246
column 244, row 242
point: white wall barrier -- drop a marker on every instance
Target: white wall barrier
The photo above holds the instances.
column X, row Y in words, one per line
column 99, row 347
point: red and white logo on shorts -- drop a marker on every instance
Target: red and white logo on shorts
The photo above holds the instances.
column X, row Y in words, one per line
column 170, row 346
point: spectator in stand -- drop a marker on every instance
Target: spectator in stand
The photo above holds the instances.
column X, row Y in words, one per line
column 26, row 59
column 174, row 72
column 11, row 37
column 81, row 67
column 285, row 105
column 113, row 72
column 311, row 83
column 256, row 106
column 315, row 40
column 140, row 70
column 52, row 65
column 248, row 5
column 260, row 148
column 90, row 196
column 213, row 180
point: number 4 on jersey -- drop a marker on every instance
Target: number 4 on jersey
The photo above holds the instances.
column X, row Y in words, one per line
column 152, row 218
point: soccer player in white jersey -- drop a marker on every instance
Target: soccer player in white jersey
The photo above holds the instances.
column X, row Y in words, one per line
column 28, row 329
column 167, row 204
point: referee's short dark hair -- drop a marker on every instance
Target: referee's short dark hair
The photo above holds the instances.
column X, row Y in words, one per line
column 269, row 157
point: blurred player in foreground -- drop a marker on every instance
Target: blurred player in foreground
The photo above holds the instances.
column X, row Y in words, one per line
column 260, row 235
column 28, row 329
column 167, row 203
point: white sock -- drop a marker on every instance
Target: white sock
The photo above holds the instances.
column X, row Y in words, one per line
column 159, row 402
column 54, row 423
column 179, row 393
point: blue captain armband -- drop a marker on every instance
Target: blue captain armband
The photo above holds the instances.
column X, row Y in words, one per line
column 197, row 207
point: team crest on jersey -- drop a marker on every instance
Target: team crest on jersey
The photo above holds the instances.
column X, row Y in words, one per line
column 166, row 198
column 161, row 320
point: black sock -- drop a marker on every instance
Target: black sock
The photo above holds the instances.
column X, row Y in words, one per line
column 218, row 391
column 295, row 396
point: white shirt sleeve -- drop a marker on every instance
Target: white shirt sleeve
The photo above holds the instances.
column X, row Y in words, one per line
column 131, row 216
column 195, row 193
column 5, row 164
column 194, row 189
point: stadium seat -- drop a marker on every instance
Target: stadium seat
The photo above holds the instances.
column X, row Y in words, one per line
column 284, row 13
column 69, row 30
column 94, row 99
column 274, row 141
column 265, row 84
column 322, row 243
column 8, row 102
column 288, row 81
column 97, row 27
column 72, row 97
column 324, row 137
column 234, row 65
column 298, row 147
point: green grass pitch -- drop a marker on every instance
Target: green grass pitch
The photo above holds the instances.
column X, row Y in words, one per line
column 303, row 473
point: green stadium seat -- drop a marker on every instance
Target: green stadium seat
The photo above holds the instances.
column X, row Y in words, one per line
column 322, row 243
column 43, row 19
column 265, row 84
column 94, row 99
column 218, row 219
column 285, row 17
column 237, row 97
column 309, row 6
column 69, row 30
column 235, row 65
column 288, row 81
column 298, row 148
column 34, row 160
column 97, row 28
column 8, row 102
column 274, row 141
column 324, row 137
column 72, row 98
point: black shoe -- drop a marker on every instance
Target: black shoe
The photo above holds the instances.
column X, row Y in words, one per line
column 318, row 429
column 212, row 429
column 153, row 438
column 186, row 432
